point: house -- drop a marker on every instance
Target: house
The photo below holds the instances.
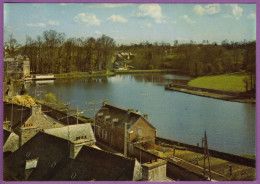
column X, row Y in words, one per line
column 27, row 122
column 78, row 135
column 117, row 127
column 46, row 157
column 17, row 67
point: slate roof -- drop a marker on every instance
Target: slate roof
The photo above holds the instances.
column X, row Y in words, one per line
column 59, row 115
column 10, row 142
column 49, row 116
column 71, row 132
column 17, row 112
column 6, row 136
column 123, row 115
column 55, row 165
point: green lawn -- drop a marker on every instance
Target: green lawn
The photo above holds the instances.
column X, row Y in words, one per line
column 226, row 82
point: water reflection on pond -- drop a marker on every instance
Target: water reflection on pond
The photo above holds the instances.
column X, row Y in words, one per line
column 230, row 126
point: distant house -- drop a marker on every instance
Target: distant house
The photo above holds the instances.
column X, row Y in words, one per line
column 17, row 67
column 122, row 61
column 110, row 122
column 47, row 157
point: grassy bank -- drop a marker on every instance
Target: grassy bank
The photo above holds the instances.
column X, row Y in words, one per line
column 83, row 74
column 145, row 71
column 226, row 82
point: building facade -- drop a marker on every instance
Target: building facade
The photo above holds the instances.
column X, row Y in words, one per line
column 17, row 67
column 115, row 126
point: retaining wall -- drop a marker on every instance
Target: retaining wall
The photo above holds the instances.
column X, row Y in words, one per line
column 230, row 93
column 225, row 156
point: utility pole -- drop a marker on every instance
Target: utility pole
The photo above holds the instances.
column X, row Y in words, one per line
column 125, row 140
column 77, row 116
column 206, row 156
column 20, row 137
column 12, row 117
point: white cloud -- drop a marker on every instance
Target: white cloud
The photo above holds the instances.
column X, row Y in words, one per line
column 209, row 9
column 198, row 10
column 37, row 25
column 187, row 19
column 98, row 32
column 251, row 16
column 237, row 11
column 149, row 25
column 151, row 10
column 63, row 4
column 212, row 9
column 174, row 22
column 117, row 18
column 114, row 5
column 54, row 22
column 88, row 19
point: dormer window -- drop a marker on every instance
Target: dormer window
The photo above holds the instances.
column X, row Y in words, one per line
column 31, row 164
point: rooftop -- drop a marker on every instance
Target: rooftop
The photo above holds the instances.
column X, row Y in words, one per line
column 72, row 132
column 54, row 163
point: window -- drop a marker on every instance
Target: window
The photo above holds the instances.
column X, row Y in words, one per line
column 115, row 120
column 102, row 133
column 100, row 114
column 105, row 134
column 139, row 131
column 99, row 131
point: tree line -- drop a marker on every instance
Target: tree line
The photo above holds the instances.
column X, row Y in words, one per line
column 197, row 59
column 53, row 53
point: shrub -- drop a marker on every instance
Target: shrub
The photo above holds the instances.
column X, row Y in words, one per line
column 50, row 97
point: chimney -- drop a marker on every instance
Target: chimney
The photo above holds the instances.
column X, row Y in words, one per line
column 105, row 102
column 155, row 170
column 130, row 110
column 145, row 116
column 36, row 109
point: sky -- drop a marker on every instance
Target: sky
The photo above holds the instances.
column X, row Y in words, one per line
column 133, row 23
